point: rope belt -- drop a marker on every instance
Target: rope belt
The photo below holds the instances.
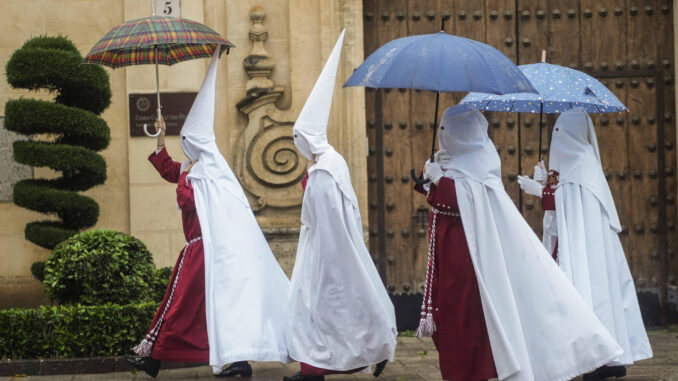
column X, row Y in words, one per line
column 426, row 324
column 144, row 348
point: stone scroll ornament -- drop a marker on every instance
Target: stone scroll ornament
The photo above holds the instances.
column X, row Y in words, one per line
column 267, row 162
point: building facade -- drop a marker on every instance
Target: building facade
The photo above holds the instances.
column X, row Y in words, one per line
column 281, row 46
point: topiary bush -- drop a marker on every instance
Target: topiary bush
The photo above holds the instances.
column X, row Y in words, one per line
column 82, row 93
column 100, row 266
column 73, row 331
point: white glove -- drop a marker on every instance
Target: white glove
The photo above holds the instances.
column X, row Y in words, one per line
column 530, row 186
column 441, row 157
column 433, row 171
column 540, row 173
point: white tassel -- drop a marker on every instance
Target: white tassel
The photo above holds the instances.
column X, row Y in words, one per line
column 426, row 326
column 144, row 348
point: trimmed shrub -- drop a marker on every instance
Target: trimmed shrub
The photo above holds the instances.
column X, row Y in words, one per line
column 73, row 331
column 100, row 266
column 82, row 92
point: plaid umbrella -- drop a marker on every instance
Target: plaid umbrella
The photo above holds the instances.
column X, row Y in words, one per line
column 156, row 40
column 138, row 41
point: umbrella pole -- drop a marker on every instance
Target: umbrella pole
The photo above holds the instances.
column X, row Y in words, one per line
column 435, row 126
column 421, row 180
column 157, row 82
column 541, row 115
column 157, row 92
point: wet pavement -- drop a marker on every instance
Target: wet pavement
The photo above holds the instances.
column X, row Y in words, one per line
column 416, row 360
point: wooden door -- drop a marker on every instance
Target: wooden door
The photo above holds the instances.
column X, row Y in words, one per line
column 627, row 44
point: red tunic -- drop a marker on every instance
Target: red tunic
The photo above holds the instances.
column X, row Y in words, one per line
column 461, row 334
column 182, row 333
column 310, row 370
column 548, row 201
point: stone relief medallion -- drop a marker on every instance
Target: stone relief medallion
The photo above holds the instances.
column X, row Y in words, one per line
column 273, row 167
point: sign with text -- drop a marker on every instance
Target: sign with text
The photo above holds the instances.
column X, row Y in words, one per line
column 175, row 108
column 170, row 8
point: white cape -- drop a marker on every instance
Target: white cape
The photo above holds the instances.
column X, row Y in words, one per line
column 340, row 316
column 540, row 329
column 245, row 288
column 592, row 257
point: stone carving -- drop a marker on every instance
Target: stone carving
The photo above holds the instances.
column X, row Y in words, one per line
column 268, row 165
column 10, row 171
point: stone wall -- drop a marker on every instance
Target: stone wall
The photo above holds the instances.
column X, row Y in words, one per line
column 300, row 35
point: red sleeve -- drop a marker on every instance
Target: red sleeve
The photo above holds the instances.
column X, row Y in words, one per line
column 185, row 194
column 444, row 195
column 163, row 163
column 548, row 198
column 304, row 181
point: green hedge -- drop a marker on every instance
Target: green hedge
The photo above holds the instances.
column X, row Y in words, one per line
column 82, row 92
column 100, row 266
column 73, row 331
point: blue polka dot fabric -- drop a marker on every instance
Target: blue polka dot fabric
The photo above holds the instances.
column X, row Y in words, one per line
column 560, row 89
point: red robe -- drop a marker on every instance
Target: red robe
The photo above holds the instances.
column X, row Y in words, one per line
column 461, row 334
column 310, row 370
column 548, row 201
column 182, row 333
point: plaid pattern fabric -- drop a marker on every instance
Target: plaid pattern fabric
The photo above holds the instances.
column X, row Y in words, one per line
column 136, row 42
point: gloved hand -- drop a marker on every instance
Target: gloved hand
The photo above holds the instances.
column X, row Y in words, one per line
column 433, row 171
column 530, row 186
column 441, row 157
column 540, row 173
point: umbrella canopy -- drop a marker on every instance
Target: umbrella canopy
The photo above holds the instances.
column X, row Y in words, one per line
column 440, row 62
column 156, row 39
column 560, row 88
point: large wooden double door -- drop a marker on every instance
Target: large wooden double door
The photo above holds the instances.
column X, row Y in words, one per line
column 626, row 44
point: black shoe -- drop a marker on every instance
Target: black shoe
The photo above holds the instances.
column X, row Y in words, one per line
column 238, row 368
column 604, row 372
column 149, row 365
column 379, row 368
column 301, row 377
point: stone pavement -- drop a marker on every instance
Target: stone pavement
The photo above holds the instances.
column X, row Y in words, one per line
column 416, row 360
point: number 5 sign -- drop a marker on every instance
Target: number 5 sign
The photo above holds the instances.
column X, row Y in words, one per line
column 170, row 8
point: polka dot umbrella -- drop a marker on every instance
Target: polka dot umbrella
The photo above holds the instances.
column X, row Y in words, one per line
column 559, row 89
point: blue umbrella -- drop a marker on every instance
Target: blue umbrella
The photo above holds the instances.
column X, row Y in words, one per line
column 560, row 89
column 442, row 63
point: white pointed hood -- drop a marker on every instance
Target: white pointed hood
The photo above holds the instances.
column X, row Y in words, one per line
column 245, row 288
column 198, row 141
column 310, row 129
column 575, row 155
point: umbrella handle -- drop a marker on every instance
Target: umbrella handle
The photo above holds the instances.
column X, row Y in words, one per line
column 420, row 181
column 157, row 133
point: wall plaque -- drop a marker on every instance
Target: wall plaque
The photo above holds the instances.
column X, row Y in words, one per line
column 175, row 108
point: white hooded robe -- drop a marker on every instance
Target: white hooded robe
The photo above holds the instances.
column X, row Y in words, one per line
column 586, row 226
column 340, row 316
column 245, row 288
